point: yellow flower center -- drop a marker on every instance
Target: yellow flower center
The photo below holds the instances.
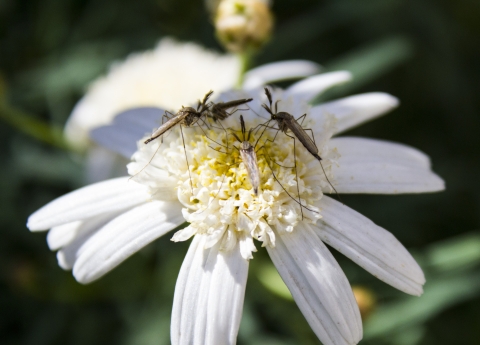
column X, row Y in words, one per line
column 212, row 182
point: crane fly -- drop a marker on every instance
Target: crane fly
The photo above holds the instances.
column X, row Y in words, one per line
column 286, row 122
column 249, row 157
column 188, row 116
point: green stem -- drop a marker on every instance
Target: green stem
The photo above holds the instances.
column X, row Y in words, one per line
column 26, row 123
column 245, row 63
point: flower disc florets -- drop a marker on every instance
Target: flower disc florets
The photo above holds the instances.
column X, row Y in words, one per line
column 214, row 186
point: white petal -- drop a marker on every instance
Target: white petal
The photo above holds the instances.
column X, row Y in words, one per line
column 381, row 167
column 86, row 202
column 209, row 294
column 74, row 238
column 354, row 110
column 67, row 256
column 318, row 285
column 369, row 245
column 60, row 236
column 356, row 149
column 277, row 71
column 123, row 236
column 127, row 128
column 309, row 88
column 63, row 235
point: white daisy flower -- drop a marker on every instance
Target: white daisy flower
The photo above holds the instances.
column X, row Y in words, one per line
column 97, row 227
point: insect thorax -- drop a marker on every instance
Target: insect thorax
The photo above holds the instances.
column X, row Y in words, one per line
column 218, row 113
column 191, row 116
column 282, row 118
column 245, row 145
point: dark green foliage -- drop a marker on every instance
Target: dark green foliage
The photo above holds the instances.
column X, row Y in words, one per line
column 425, row 52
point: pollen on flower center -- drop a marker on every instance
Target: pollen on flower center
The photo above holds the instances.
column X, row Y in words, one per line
column 215, row 188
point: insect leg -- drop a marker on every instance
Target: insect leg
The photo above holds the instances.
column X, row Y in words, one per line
column 186, row 159
column 265, row 154
column 265, row 125
column 326, row 177
column 263, row 117
column 311, row 132
column 226, row 133
column 264, row 147
column 301, row 117
column 296, row 172
column 150, row 161
column 165, row 116
column 206, row 135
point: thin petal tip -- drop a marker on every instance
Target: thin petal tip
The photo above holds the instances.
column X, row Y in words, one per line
column 437, row 184
column 388, row 99
column 83, row 277
column 34, row 223
column 341, row 75
column 417, row 291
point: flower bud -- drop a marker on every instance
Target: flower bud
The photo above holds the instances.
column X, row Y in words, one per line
column 365, row 299
column 243, row 25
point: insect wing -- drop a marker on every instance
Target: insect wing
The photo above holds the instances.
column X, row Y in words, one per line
column 302, row 136
column 167, row 125
column 218, row 110
column 235, row 103
column 249, row 158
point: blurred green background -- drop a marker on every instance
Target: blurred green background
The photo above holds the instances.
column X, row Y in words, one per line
column 426, row 52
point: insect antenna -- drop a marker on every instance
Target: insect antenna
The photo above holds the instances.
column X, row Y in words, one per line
column 269, row 96
column 242, row 125
column 202, row 106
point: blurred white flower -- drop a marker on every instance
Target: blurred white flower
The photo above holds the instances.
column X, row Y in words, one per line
column 173, row 73
column 97, row 227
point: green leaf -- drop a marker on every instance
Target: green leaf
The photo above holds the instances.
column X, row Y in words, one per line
column 439, row 295
column 453, row 254
column 270, row 278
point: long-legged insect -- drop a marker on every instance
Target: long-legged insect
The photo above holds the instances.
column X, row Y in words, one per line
column 188, row 116
column 249, row 157
column 286, row 122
